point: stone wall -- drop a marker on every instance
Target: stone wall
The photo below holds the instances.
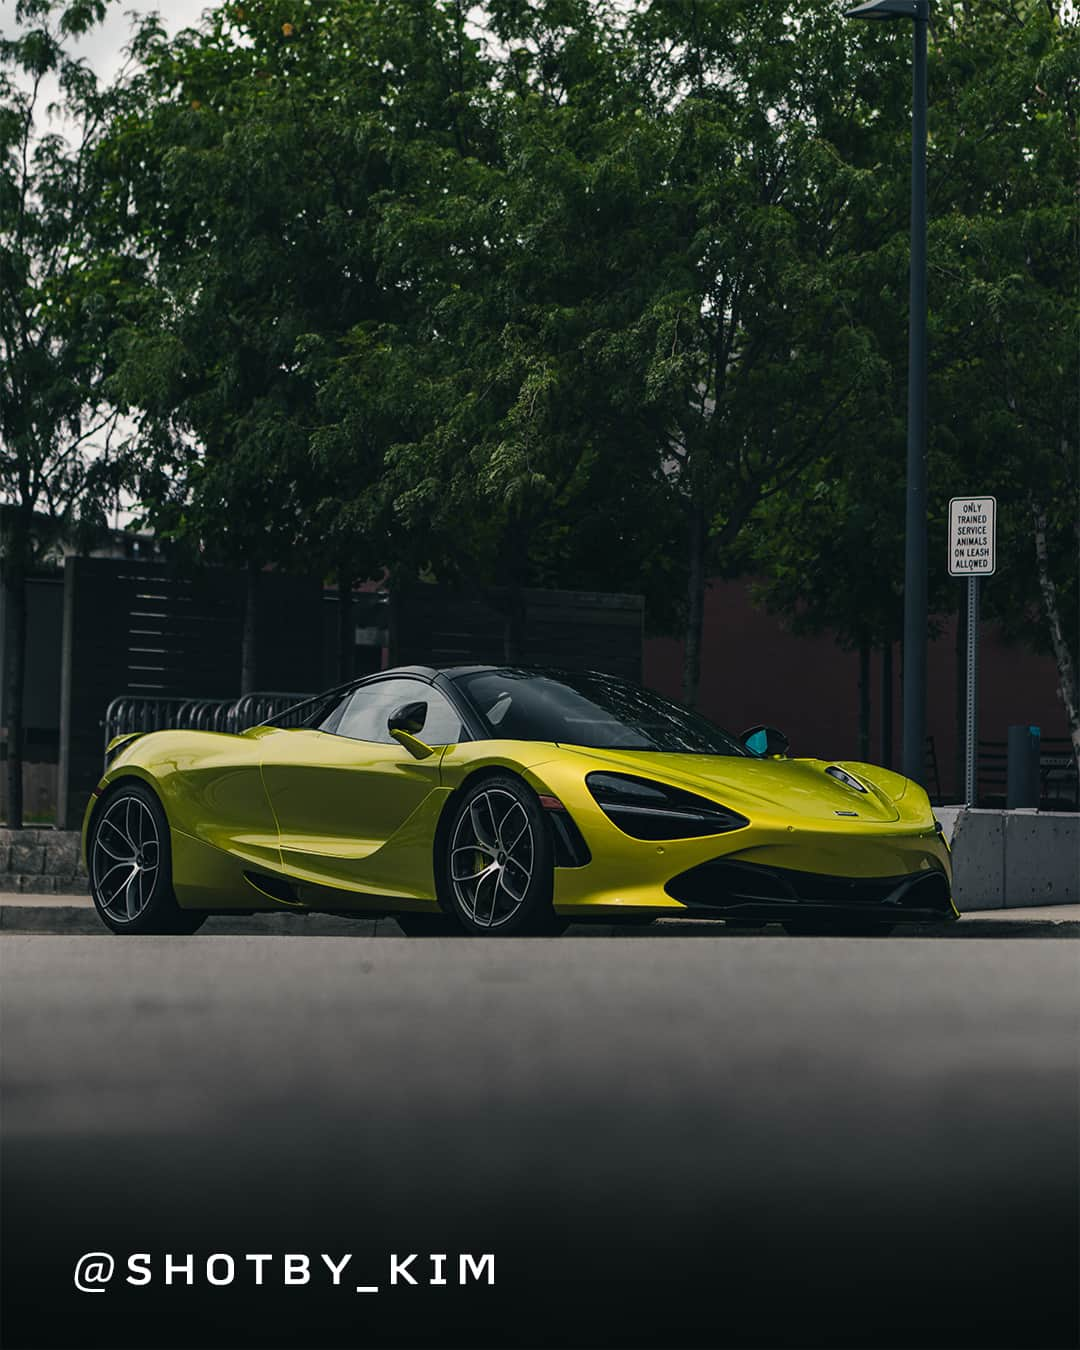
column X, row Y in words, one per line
column 41, row 862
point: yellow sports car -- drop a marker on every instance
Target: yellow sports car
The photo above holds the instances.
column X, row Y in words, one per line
column 501, row 800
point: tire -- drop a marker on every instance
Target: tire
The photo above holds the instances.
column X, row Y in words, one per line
column 851, row 929
column 130, row 863
column 498, row 869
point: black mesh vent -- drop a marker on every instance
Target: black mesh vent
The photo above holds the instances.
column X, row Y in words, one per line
column 722, row 883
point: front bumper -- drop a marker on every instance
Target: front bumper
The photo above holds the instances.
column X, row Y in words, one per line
column 748, row 890
column 764, row 874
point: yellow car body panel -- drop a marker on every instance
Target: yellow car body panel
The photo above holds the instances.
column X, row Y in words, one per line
column 804, row 834
column 333, row 823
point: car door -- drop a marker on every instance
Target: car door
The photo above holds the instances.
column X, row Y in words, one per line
column 213, row 791
column 354, row 807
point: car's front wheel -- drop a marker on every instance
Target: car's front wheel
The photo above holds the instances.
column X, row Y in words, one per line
column 498, row 869
column 130, row 865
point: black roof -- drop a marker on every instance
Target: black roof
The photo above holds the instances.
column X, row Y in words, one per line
column 517, row 668
column 456, row 672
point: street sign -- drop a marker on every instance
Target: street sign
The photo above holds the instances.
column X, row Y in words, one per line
column 972, row 536
column 972, row 548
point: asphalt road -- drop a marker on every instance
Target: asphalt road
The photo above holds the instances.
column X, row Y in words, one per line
column 816, row 1142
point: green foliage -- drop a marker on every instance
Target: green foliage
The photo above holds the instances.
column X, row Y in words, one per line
column 597, row 294
column 1003, row 329
column 220, row 172
column 1008, row 280
column 59, row 294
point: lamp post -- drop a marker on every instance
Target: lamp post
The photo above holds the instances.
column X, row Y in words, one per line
column 915, row 556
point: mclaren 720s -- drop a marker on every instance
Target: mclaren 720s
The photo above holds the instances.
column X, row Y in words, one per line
column 502, row 800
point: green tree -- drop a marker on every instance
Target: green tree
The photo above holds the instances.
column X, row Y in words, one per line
column 1003, row 329
column 59, row 296
column 1008, row 281
column 568, row 292
column 416, row 82
column 273, row 364
column 636, row 308
column 248, row 192
column 743, row 360
column 528, row 472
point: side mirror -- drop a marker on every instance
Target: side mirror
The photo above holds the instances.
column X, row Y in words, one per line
column 766, row 742
column 410, row 717
column 404, row 725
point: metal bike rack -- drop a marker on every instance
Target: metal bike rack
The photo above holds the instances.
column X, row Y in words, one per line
column 139, row 712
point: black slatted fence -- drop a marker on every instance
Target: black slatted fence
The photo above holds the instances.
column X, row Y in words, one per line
column 149, row 631
column 572, row 630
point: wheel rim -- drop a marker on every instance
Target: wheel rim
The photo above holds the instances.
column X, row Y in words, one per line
column 125, row 858
column 492, row 856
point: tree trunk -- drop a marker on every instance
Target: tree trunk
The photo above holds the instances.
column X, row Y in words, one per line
column 346, row 627
column 1067, row 689
column 695, row 607
column 251, row 612
column 15, row 648
column 864, row 699
column 886, row 706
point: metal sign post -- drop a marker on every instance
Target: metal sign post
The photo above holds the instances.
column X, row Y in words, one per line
column 971, row 726
column 972, row 549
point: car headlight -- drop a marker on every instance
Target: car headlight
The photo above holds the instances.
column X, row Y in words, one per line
column 648, row 810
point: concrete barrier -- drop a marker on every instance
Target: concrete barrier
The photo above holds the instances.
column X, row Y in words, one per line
column 1042, row 858
column 1013, row 859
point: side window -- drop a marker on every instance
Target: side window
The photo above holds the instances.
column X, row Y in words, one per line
column 328, row 716
column 364, row 719
column 442, row 726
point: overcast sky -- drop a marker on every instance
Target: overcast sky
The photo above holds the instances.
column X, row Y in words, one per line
column 104, row 45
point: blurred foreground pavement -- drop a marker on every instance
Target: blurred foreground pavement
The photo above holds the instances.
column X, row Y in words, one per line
column 787, row 1143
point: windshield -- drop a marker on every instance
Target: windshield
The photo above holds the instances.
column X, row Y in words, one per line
column 598, row 711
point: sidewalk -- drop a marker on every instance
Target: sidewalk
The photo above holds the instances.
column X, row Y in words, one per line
column 1040, row 913
column 73, row 914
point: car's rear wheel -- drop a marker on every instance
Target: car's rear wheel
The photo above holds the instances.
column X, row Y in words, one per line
column 852, row 929
column 498, row 868
column 130, row 865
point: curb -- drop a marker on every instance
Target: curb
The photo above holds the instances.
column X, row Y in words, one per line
column 58, row 917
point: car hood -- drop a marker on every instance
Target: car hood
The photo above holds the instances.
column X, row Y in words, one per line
column 799, row 786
